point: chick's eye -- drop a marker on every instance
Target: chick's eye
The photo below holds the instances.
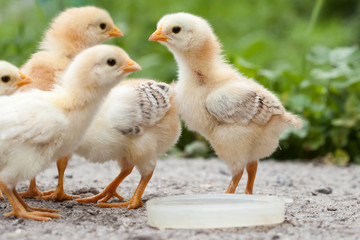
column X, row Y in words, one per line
column 5, row 79
column 102, row 26
column 176, row 29
column 111, row 62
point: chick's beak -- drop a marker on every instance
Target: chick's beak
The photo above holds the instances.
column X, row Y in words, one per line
column 156, row 36
column 116, row 32
column 24, row 80
column 130, row 66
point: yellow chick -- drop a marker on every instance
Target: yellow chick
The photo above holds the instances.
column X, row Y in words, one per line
column 240, row 118
column 11, row 79
column 70, row 32
column 37, row 126
column 137, row 123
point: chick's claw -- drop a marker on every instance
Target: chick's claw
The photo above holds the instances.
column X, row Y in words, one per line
column 34, row 215
column 32, row 193
column 57, row 195
column 129, row 205
column 102, row 197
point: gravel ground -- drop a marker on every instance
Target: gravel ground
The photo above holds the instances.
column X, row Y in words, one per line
column 326, row 201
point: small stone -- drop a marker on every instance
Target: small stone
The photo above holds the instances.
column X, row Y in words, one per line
column 69, row 206
column 331, row 209
column 144, row 237
column 314, row 193
column 223, row 172
column 325, row 190
column 87, row 190
column 275, row 237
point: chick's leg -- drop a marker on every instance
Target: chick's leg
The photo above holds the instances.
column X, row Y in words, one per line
column 32, row 191
column 234, row 182
column 22, row 210
column 1, row 195
column 135, row 200
column 59, row 194
column 251, row 169
column 110, row 190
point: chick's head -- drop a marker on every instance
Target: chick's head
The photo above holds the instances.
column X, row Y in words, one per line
column 102, row 65
column 11, row 78
column 80, row 28
column 182, row 32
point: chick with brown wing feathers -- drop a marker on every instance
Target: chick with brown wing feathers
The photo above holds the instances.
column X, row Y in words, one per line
column 240, row 118
column 138, row 122
column 70, row 32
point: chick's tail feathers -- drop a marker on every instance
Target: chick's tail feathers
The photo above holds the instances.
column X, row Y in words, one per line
column 293, row 120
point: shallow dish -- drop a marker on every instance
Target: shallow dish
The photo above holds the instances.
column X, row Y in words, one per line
column 214, row 211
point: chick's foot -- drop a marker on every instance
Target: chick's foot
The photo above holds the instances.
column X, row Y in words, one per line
column 57, row 195
column 129, row 204
column 110, row 190
column 34, row 215
column 32, row 191
column 22, row 210
column 102, row 197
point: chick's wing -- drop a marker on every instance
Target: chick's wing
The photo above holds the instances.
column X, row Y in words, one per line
column 241, row 102
column 133, row 108
column 28, row 119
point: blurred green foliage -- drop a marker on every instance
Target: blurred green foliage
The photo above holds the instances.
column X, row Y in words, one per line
column 295, row 48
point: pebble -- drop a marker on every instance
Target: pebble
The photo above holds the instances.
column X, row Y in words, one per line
column 331, row 209
column 324, row 190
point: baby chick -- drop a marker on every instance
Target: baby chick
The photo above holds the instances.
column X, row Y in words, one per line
column 240, row 118
column 10, row 80
column 70, row 32
column 137, row 123
column 37, row 127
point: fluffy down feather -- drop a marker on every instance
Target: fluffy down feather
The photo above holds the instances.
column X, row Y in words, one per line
column 37, row 127
column 72, row 31
column 240, row 118
column 138, row 122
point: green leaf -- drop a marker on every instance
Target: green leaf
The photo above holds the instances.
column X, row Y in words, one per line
column 339, row 157
column 344, row 122
column 341, row 55
column 339, row 136
column 318, row 55
column 197, row 149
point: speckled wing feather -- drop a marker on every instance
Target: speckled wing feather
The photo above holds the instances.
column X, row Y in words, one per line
column 154, row 100
column 240, row 103
column 143, row 106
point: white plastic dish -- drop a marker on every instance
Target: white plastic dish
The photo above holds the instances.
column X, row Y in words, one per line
column 214, row 211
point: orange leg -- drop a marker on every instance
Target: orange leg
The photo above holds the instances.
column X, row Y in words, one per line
column 22, row 210
column 135, row 201
column 32, row 191
column 234, row 182
column 110, row 190
column 1, row 195
column 251, row 169
column 59, row 194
